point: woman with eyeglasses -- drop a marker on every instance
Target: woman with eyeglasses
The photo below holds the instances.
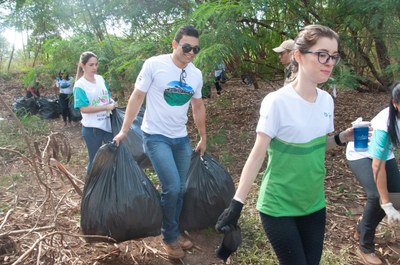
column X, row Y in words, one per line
column 170, row 83
column 377, row 171
column 294, row 126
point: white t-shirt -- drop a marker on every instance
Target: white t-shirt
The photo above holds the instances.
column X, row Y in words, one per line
column 93, row 94
column 293, row 183
column 169, row 90
column 380, row 125
column 65, row 85
column 286, row 115
column 219, row 69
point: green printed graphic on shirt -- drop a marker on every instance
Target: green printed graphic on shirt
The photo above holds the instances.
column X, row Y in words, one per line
column 178, row 93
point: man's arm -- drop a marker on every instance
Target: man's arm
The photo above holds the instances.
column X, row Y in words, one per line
column 132, row 109
column 199, row 117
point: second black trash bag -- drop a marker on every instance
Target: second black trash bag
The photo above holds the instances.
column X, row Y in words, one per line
column 209, row 190
column 134, row 139
column 119, row 200
column 49, row 108
column 75, row 113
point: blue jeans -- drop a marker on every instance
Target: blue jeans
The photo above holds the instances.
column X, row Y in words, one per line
column 296, row 240
column 373, row 213
column 170, row 158
column 94, row 139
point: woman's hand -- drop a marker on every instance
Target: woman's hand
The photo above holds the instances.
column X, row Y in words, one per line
column 392, row 214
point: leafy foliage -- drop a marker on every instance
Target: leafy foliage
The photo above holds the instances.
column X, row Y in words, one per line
column 239, row 33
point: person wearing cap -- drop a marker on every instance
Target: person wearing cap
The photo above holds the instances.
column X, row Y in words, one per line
column 285, row 54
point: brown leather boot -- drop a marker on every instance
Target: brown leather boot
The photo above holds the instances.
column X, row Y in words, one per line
column 368, row 258
column 174, row 250
column 185, row 243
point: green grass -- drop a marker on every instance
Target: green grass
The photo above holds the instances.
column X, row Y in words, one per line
column 151, row 174
column 343, row 257
column 11, row 135
column 217, row 139
column 244, row 136
column 226, row 158
column 6, row 181
column 223, row 103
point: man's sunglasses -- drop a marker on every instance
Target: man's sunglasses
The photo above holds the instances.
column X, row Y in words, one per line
column 186, row 48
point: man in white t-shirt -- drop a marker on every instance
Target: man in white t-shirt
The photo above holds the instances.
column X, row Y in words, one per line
column 170, row 82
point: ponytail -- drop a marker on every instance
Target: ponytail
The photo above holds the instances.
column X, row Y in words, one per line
column 79, row 72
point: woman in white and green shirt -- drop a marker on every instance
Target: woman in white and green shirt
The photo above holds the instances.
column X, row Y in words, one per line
column 92, row 98
column 293, row 128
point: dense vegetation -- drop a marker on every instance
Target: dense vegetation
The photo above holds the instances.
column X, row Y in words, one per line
column 240, row 32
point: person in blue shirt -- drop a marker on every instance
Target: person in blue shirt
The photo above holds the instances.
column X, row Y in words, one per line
column 64, row 84
column 378, row 174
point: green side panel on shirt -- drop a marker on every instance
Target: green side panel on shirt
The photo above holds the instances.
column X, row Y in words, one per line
column 293, row 183
column 80, row 98
column 108, row 89
column 379, row 145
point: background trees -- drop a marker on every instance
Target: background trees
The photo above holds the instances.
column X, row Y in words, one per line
column 241, row 33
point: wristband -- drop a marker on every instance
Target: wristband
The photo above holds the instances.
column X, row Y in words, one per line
column 337, row 140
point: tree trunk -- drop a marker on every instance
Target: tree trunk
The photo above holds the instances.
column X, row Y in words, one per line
column 36, row 53
column 11, row 58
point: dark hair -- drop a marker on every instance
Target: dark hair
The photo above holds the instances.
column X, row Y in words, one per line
column 61, row 74
column 393, row 113
column 83, row 59
column 186, row 31
column 308, row 37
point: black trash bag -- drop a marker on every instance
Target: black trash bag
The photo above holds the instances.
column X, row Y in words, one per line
column 23, row 106
column 49, row 108
column 119, row 200
column 75, row 113
column 230, row 243
column 209, row 191
column 134, row 140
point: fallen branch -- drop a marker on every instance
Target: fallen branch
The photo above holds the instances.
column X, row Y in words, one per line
column 22, row 231
column 69, row 176
column 5, row 218
column 33, row 247
column 18, row 153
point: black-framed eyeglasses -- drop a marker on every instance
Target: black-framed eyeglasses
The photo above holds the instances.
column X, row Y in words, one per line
column 323, row 57
column 182, row 80
column 186, row 48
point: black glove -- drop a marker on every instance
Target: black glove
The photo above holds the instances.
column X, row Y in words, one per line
column 228, row 220
column 230, row 243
